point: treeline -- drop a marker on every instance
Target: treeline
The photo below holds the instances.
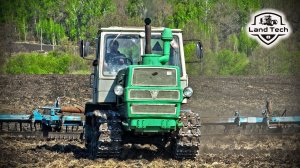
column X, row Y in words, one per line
column 219, row 24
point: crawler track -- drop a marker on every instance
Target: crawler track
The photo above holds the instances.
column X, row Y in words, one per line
column 188, row 142
column 110, row 140
column 103, row 135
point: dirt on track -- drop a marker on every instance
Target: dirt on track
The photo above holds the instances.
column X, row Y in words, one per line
column 225, row 151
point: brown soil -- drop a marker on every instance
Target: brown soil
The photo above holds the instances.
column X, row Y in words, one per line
column 225, row 151
column 214, row 97
column 222, row 96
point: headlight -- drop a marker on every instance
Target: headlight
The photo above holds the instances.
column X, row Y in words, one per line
column 119, row 90
column 188, row 92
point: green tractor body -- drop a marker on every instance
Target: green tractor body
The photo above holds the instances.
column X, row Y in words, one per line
column 152, row 98
column 152, row 95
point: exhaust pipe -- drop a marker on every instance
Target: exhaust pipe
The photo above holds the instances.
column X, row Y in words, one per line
column 155, row 59
column 148, row 36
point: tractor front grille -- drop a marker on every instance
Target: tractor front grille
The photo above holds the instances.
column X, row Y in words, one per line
column 154, row 94
column 150, row 76
column 153, row 109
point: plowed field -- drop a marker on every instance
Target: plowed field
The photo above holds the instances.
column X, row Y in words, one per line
column 214, row 97
column 221, row 151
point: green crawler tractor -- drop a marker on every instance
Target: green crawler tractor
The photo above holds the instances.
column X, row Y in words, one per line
column 139, row 85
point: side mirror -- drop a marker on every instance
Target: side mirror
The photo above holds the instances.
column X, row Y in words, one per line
column 84, row 48
column 199, row 50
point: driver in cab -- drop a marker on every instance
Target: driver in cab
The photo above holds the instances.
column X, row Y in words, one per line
column 114, row 57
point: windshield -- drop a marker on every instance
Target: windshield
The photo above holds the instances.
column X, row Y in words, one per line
column 122, row 50
column 157, row 48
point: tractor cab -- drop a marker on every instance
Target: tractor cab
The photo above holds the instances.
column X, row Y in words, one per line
column 119, row 47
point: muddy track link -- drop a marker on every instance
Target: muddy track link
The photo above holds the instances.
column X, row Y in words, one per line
column 187, row 143
column 110, row 145
column 105, row 136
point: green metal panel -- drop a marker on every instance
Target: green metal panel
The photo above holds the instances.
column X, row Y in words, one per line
column 153, row 125
column 151, row 59
column 152, row 115
column 158, row 115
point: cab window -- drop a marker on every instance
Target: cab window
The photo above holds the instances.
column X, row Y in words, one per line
column 120, row 51
column 157, row 48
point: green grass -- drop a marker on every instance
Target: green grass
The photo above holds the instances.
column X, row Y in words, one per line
column 51, row 63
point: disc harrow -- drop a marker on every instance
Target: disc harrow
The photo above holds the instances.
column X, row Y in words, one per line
column 45, row 122
column 267, row 124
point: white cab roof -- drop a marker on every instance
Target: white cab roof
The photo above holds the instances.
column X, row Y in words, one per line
column 135, row 29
